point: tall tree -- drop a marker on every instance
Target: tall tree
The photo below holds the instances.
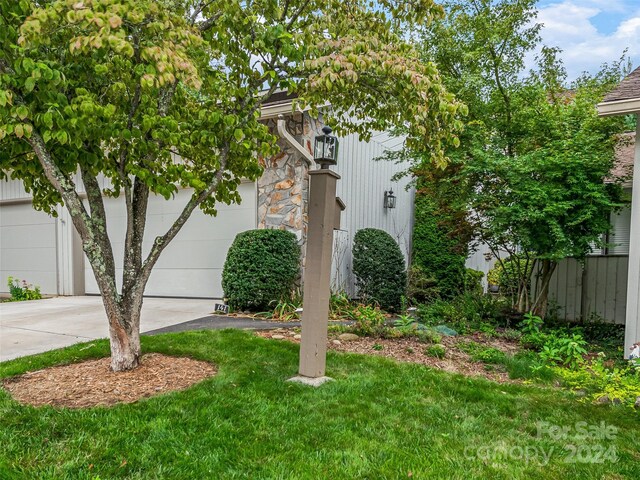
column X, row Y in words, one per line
column 121, row 88
column 534, row 151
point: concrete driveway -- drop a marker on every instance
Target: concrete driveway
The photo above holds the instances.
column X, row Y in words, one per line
column 41, row 325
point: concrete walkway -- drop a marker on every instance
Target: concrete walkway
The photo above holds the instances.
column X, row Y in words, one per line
column 41, row 325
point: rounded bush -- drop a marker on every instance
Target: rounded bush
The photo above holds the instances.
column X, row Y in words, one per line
column 261, row 267
column 379, row 267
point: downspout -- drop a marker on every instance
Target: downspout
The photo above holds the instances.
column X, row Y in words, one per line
column 282, row 130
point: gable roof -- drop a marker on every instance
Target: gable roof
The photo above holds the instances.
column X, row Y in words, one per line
column 629, row 88
column 624, row 99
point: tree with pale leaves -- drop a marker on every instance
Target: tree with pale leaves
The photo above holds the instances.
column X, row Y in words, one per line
column 121, row 88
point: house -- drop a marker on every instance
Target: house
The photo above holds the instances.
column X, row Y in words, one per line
column 46, row 251
column 625, row 100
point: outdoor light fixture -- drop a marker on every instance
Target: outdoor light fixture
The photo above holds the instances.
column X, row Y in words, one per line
column 389, row 199
column 325, row 151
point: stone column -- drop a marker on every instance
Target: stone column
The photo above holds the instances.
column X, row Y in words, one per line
column 317, row 276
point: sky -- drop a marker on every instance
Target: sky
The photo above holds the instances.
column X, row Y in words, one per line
column 591, row 32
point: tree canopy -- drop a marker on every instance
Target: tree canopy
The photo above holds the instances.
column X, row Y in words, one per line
column 534, row 154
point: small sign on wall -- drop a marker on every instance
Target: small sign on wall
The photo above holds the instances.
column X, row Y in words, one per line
column 221, row 308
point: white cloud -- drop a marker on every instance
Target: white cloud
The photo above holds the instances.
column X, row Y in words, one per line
column 570, row 26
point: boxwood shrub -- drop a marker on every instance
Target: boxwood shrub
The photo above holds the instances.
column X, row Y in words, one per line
column 379, row 267
column 261, row 266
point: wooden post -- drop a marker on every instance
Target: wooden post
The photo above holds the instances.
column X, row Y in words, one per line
column 317, row 276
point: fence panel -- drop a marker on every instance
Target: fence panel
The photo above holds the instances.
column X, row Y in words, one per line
column 596, row 287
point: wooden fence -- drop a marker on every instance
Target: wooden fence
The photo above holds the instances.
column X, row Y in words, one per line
column 596, row 287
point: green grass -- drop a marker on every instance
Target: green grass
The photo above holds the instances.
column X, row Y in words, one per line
column 378, row 420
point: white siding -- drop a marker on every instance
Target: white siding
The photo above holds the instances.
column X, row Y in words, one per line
column 620, row 232
column 361, row 187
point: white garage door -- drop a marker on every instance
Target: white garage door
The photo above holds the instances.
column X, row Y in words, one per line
column 191, row 266
column 28, row 247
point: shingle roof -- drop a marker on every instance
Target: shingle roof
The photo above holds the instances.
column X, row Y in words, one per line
column 629, row 88
column 625, row 155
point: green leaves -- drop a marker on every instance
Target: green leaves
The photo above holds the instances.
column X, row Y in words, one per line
column 22, row 112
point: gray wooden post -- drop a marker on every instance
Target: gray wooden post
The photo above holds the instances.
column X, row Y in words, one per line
column 317, row 276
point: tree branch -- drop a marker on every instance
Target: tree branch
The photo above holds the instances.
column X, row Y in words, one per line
column 83, row 222
column 162, row 241
column 98, row 218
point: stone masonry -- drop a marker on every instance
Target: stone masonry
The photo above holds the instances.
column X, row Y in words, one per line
column 283, row 189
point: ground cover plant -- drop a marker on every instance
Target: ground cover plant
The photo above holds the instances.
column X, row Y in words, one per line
column 21, row 290
column 379, row 419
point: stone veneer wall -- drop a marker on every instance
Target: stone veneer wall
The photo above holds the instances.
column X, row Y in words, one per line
column 283, row 189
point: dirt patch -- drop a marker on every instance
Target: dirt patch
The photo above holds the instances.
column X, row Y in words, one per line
column 92, row 383
column 412, row 351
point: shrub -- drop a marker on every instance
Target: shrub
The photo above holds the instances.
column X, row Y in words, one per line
column 508, row 273
column 21, row 291
column 465, row 312
column 369, row 320
column 261, row 267
column 420, row 287
column 473, row 281
column 598, row 380
column 440, row 238
column 379, row 267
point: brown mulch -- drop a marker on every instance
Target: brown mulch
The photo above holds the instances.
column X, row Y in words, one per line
column 412, row 351
column 92, row 383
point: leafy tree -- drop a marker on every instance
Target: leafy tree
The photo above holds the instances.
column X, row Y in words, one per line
column 534, row 151
column 154, row 96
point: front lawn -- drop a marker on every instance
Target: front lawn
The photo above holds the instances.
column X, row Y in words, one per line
column 379, row 419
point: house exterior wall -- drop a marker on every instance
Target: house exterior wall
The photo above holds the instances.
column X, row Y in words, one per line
column 361, row 187
column 282, row 194
column 43, row 250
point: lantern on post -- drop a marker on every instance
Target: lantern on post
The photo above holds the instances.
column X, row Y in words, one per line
column 389, row 199
column 325, row 150
column 324, row 216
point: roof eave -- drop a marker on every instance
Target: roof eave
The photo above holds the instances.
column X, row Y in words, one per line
column 273, row 110
column 619, row 107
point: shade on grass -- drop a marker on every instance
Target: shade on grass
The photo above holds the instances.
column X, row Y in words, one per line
column 379, row 419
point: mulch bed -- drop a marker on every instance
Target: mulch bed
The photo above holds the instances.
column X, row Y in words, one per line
column 412, row 351
column 92, row 383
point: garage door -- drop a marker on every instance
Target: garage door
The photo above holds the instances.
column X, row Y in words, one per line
column 28, row 247
column 191, row 266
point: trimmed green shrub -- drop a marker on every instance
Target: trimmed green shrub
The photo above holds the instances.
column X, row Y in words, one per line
column 262, row 266
column 379, row 267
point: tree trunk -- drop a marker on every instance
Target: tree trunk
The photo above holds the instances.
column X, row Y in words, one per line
column 125, row 347
column 124, row 332
column 542, row 302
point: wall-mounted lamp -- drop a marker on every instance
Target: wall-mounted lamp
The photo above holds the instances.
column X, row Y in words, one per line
column 389, row 199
